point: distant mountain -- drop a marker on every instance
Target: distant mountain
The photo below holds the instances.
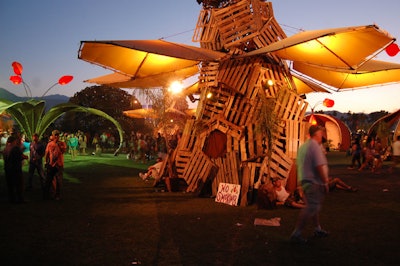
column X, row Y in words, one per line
column 51, row 100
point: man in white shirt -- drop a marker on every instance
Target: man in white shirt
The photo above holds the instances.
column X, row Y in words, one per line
column 153, row 171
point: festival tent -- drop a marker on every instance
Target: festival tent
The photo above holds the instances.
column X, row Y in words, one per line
column 392, row 122
column 337, row 132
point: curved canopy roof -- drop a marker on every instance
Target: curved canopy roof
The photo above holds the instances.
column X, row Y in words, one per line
column 144, row 63
column 336, row 59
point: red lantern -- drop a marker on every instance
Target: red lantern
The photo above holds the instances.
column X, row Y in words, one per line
column 17, row 67
column 16, row 79
column 65, row 80
column 313, row 120
column 328, row 102
column 392, row 49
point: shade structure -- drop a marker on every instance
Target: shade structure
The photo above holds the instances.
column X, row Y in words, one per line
column 119, row 80
column 141, row 113
column 345, row 48
column 145, row 63
column 371, row 73
column 305, row 86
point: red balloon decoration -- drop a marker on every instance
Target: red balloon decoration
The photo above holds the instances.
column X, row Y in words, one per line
column 65, row 80
column 392, row 49
column 17, row 67
column 328, row 102
column 16, row 79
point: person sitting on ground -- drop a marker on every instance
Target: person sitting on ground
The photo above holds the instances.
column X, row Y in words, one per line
column 153, row 171
column 283, row 197
column 395, row 154
column 335, row 182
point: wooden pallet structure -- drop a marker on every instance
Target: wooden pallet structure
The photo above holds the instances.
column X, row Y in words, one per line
column 239, row 94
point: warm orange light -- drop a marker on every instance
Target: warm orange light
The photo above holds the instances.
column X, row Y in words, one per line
column 17, row 67
column 176, row 87
column 328, row 102
column 313, row 120
column 65, row 80
column 16, row 80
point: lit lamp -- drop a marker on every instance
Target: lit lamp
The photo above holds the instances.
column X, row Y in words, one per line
column 327, row 103
column 17, row 79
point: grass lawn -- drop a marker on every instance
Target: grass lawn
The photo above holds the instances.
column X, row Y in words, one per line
column 109, row 216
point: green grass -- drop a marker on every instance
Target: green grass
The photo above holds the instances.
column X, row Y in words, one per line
column 108, row 216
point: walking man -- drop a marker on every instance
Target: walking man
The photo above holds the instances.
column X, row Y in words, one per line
column 312, row 171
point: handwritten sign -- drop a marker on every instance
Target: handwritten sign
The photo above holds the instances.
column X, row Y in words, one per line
column 228, row 194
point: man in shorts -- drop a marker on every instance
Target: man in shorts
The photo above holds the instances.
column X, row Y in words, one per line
column 312, row 171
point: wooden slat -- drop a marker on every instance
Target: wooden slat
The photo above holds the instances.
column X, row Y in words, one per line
column 197, row 171
column 236, row 23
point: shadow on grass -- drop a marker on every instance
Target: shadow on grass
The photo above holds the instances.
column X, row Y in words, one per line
column 109, row 216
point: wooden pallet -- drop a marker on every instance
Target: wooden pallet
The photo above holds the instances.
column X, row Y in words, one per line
column 198, row 171
column 250, row 174
column 228, row 171
column 208, row 75
column 295, row 135
column 236, row 24
column 226, row 127
column 290, row 106
column 277, row 166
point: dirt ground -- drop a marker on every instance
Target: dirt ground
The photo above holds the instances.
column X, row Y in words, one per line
column 109, row 216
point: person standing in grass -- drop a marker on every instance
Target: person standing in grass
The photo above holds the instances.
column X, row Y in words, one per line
column 13, row 157
column 55, row 164
column 36, row 154
column 73, row 144
column 312, row 171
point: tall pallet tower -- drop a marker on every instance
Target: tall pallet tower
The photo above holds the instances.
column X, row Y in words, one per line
column 248, row 123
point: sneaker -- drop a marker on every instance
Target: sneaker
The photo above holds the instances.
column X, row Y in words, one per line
column 298, row 240
column 320, row 233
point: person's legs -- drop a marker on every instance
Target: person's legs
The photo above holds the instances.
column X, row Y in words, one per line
column 31, row 171
column 19, row 188
column 58, row 177
column 51, row 171
column 313, row 195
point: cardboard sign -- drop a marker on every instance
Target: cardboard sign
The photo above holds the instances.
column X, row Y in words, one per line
column 228, row 194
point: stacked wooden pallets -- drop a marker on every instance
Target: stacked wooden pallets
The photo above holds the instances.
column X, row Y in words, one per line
column 231, row 101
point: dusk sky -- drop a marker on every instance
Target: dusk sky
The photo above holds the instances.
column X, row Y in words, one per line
column 45, row 36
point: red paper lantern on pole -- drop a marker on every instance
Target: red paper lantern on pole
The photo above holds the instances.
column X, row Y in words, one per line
column 65, row 80
column 392, row 49
column 328, row 102
column 17, row 67
column 16, row 79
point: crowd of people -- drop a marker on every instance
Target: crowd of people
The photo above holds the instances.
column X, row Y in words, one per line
column 45, row 156
column 369, row 153
column 52, row 151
